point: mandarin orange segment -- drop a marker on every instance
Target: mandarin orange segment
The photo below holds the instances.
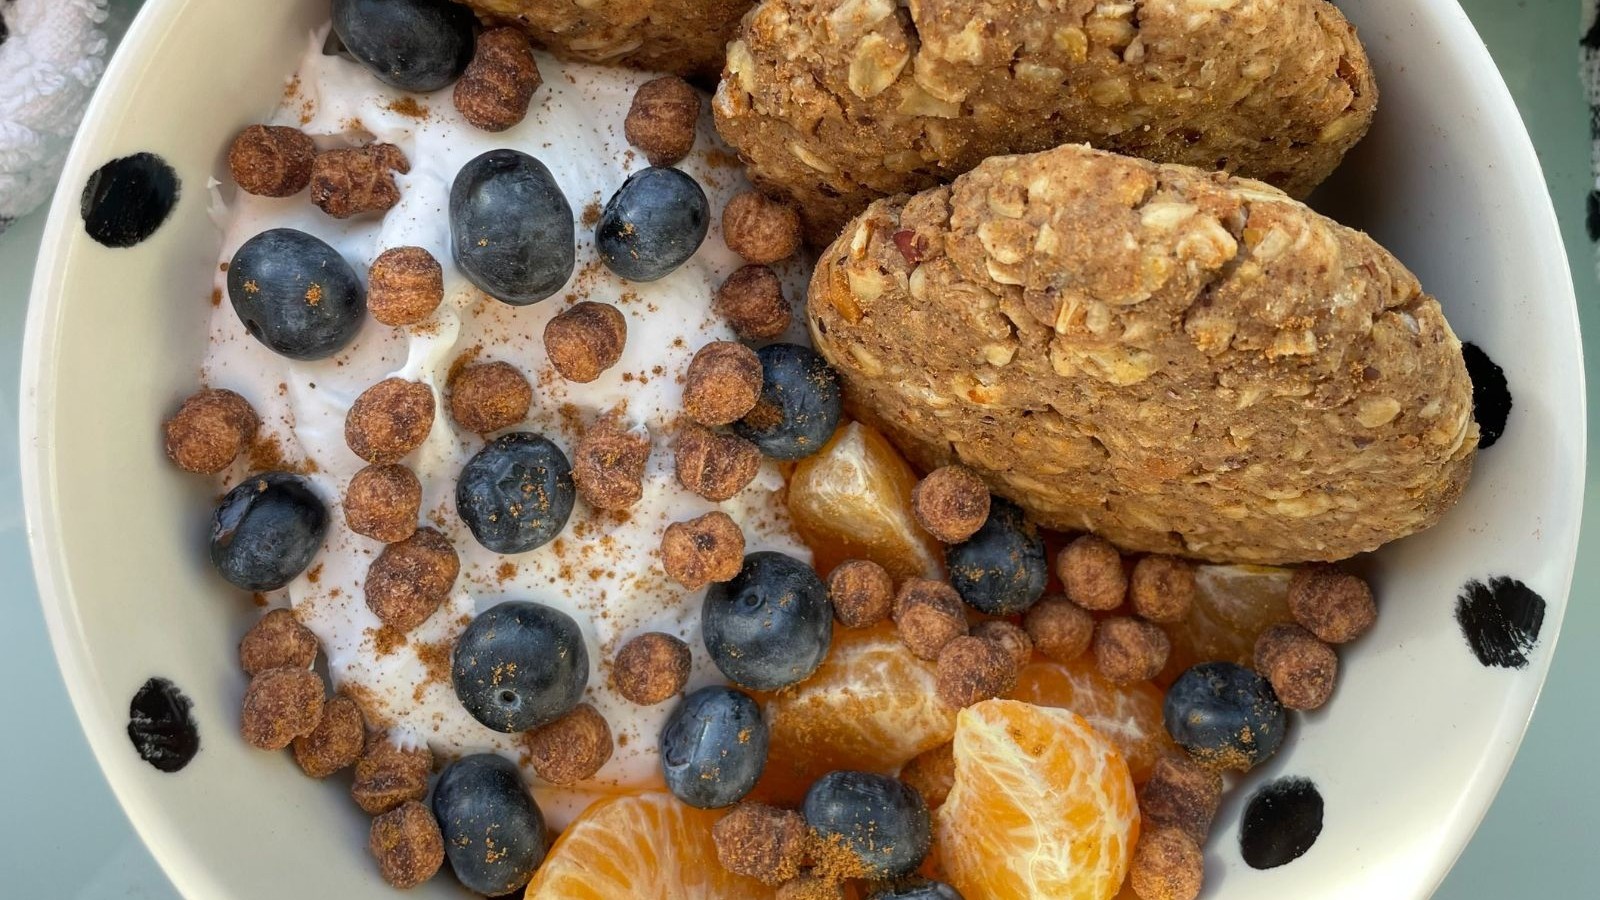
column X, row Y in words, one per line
column 1232, row 606
column 1043, row 807
column 852, row 500
column 1129, row 716
column 870, row 706
column 644, row 847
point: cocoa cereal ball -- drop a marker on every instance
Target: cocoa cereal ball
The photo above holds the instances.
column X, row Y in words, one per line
column 586, row 340
column 1167, row 865
column 572, row 748
column 700, row 551
column 722, row 384
column 411, row 578
column 1011, row 639
column 336, row 742
column 1302, row 669
column 928, row 615
column 662, row 118
column 752, row 301
column 350, row 181
column 608, row 464
column 494, row 92
column 387, row 775
column 1162, row 588
column 760, row 229
column 1059, row 628
column 272, row 160
column 714, row 466
column 811, row 886
column 210, row 430
column 862, row 593
column 383, row 502
column 1091, row 572
column 277, row 641
column 404, row 286
column 932, row 773
column 951, row 504
column 971, row 670
column 389, row 420
column 489, row 396
column 761, row 842
column 279, row 706
column 1129, row 650
column 1335, row 606
column 1182, row 794
column 651, row 668
column 408, row 845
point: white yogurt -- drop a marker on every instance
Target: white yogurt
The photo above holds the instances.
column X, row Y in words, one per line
column 604, row 570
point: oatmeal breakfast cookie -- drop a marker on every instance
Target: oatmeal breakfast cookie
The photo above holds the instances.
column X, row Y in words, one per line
column 835, row 103
column 684, row 37
column 1182, row 362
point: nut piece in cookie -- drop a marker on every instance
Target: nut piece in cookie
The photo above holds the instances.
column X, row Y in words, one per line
column 862, row 593
column 494, row 92
column 1333, row 605
column 279, row 706
column 700, row 551
column 210, row 430
column 761, row 842
column 608, row 464
column 584, row 341
column 404, row 286
column 752, row 301
column 661, row 120
column 714, row 466
column 408, row 845
column 1162, row 588
column 411, row 578
column 651, row 668
column 1183, row 794
column 1091, row 572
column 388, row 775
column 1059, row 628
column 277, row 641
column 928, row 614
column 1302, row 669
column 383, row 502
column 1167, row 865
column 971, row 670
column 272, row 160
column 1128, row 650
column 487, row 397
column 572, row 748
column 951, row 504
column 389, row 420
column 760, row 229
column 722, row 384
column 349, row 182
column 336, row 742
column 1011, row 638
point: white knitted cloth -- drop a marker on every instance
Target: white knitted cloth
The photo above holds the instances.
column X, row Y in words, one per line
column 50, row 60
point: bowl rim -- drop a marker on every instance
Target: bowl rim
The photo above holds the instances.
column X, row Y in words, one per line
column 39, row 376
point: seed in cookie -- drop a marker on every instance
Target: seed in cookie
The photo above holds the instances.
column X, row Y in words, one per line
column 1060, row 629
column 572, row 748
column 389, row 420
column 352, row 181
column 487, row 397
column 1335, row 606
column 494, row 92
column 1129, row 650
column 661, row 120
column 928, row 614
column 408, row 844
column 1183, row 794
column 932, row 773
column 714, row 466
column 971, row 670
column 404, row 286
column 1167, row 865
column 862, row 593
column 1162, row 588
column 210, row 430
column 951, row 504
column 411, row 578
column 336, row 742
column 651, row 668
column 752, row 301
column 1011, row 638
column 1091, row 571
column 277, row 641
column 760, row 229
column 586, row 340
column 383, row 502
column 702, row 550
column 608, row 464
column 279, row 706
column 388, row 775
column 272, row 160
column 1302, row 668
column 761, row 842
column 722, row 384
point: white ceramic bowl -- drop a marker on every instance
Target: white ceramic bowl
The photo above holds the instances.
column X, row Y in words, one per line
column 1407, row 757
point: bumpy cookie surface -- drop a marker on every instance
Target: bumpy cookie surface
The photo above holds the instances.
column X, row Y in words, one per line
column 835, row 103
column 1182, row 362
column 685, row 37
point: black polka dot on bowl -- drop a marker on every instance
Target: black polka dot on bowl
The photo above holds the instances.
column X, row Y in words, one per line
column 127, row 199
column 1281, row 822
column 1501, row 620
column 162, row 727
column 1491, row 398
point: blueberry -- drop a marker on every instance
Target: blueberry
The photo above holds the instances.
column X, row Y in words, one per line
column 296, row 294
column 511, row 227
column 799, row 406
column 881, row 820
column 415, row 45
column 652, row 224
column 267, row 530
column 771, row 625
column 713, row 747
column 1225, row 714
column 917, row 889
column 516, row 493
column 1001, row 569
column 494, row 834
column 520, row 665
